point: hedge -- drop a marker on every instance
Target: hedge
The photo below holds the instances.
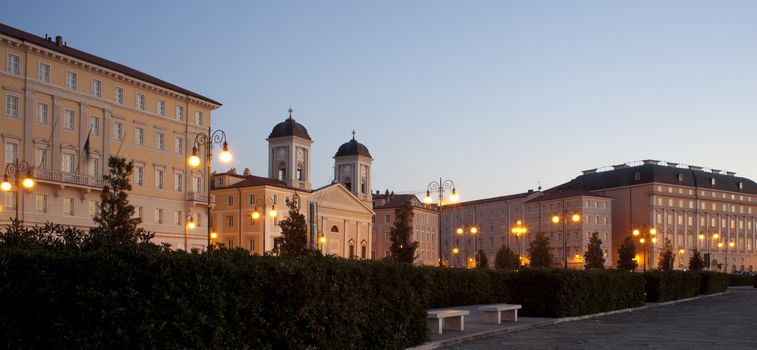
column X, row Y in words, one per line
column 455, row 287
column 136, row 299
column 671, row 285
column 713, row 282
column 740, row 280
column 563, row 293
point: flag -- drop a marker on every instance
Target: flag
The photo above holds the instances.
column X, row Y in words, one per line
column 86, row 146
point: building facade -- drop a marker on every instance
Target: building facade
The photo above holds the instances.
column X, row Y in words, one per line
column 424, row 223
column 339, row 222
column 687, row 205
column 64, row 112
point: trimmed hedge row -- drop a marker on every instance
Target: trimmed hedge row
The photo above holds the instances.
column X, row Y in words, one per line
column 134, row 299
column 671, row 285
column 740, row 280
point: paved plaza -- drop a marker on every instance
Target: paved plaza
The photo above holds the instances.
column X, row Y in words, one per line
column 727, row 321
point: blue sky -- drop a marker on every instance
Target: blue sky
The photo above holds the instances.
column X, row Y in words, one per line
column 495, row 95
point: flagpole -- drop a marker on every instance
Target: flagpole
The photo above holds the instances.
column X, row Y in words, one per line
column 84, row 149
column 123, row 137
column 43, row 162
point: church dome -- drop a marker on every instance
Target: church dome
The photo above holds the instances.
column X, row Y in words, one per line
column 352, row 148
column 289, row 128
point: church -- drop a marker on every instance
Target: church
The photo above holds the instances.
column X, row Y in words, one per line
column 248, row 208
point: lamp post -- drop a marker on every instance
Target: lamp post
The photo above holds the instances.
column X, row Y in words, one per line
column 575, row 218
column 16, row 170
column 730, row 247
column 645, row 236
column 439, row 187
column 715, row 236
column 205, row 142
column 273, row 213
column 472, row 231
column 518, row 231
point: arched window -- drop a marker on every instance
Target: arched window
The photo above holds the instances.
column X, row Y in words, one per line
column 282, row 171
column 364, row 249
column 680, row 177
column 352, row 249
column 299, row 171
column 348, row 183
column 334, row 229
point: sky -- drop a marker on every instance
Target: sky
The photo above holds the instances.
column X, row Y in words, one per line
column 497, row 96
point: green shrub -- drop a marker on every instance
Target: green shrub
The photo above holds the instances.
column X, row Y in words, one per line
column 455, row 287
column 228, row 299
column 671, row 285
column 713, row 282
column 562, row 293
column 740, row 280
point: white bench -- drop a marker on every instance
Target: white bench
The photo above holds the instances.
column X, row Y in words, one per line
column 446, row 319
column 500, row 312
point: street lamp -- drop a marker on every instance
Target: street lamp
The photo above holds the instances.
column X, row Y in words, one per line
column 575, row 218
column 645, row 236
column 207, row 141
column 715, row 236
column 472, row 231
column 16, row 170
column 439, row 187
column 191, row 223
column 681, row 251
column 273, row 213
column 518, row 231
column 731, row 245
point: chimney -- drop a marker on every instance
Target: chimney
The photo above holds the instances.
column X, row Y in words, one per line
column 716, row 171
column 233, row 171
column 247, row 172
column 58, row 40
column 730, row 173
column 619, row 166
column 590, row 171
column 650, row 161
column 694, row 167
column 671, row 164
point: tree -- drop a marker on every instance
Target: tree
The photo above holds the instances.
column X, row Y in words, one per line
column 667, row 258
column 539, row 252
column 294, row 237
column 483, row 260
column 627, row 255
column 115, row 222
column 594, row 257
column 402, row 248
column 696, row 263
column 506, row 259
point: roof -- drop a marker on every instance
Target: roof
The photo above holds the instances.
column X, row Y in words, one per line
column 396, row 201
column 67, row 50
column 565, row 194
column 655, row 173
column 288, row 128
column 352, row 148
column 252, row 181
column 493, row 199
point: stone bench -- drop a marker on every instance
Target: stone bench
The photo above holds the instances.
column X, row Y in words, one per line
column 439, row 320
column 500, row 312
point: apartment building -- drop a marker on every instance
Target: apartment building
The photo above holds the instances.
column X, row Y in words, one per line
column 64, row 112
column 424, row 223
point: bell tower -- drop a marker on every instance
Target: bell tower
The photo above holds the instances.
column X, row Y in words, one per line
column 352, row 168
column 289, row 154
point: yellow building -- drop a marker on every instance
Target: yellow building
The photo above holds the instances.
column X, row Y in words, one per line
column 55, row 99
column 339, row 215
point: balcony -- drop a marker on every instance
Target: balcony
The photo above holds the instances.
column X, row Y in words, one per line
column 65, row 178
column 201, row 198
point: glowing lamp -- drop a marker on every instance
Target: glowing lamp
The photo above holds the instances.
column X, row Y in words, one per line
column 453, row 197
column 273, row 213
column 459, row 230
column 5, row 186
column 576, row 218
column 225, row 155
column 555, row 219
column 213, row 235
column 191, row 224
column 27, row 182
column 636, row 232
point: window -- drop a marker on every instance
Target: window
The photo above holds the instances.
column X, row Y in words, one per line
column 177, row 217
column 94, row 166
column 11, row 66
column 159, row 178
column 10, row 200
column 40, row 157
column 637, row 176
column 97, row 88
column 67, row 162
column 160, row 141
column 198, row 118
column 179, row 113
column 196, row 184
column 140, row 102
column 68, row 206
column 139, row 136
column 334, row 228
column 712, row 181
column 230, row 221
column 138, row 212
column 139, row 175
column 68, row 119
column 386, row 218
column 158, row 216
column 179, row 145
column 118, row 95
column 94, row 125
column 93, row 208
column 42, row 109
column 11, row 106
column 178, row 180
column 71, row 80
column 43, row 72
column 40, row 203
column 118, row 130
column 160, row 107
column 230, row 200
column 252, row 198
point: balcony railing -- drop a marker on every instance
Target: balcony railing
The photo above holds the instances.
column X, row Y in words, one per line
column 201, row 197
column 67, row 178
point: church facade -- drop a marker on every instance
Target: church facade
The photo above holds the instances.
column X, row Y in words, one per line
column 339, row 215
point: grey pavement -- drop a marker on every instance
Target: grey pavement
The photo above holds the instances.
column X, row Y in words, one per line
column 727, row 321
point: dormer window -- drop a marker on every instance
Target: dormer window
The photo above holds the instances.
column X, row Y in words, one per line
column 680, row 177
column 637, row 176
column 741, row 185
column 712, row 181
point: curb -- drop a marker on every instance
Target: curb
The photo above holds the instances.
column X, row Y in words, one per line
column 494, row 332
